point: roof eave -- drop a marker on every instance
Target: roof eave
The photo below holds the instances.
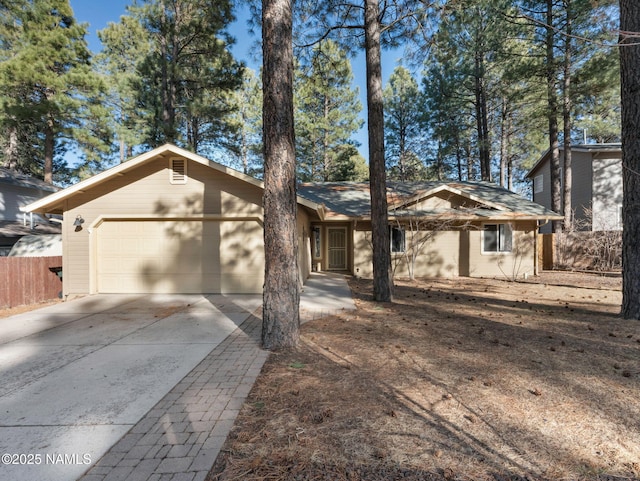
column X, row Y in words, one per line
column 54, row 203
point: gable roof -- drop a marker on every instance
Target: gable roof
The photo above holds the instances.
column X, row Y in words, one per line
column 345, row 200
column 593, row 148
column 55, row 201
column 11, row 177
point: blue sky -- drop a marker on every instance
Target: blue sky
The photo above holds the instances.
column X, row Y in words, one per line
column 98, row 13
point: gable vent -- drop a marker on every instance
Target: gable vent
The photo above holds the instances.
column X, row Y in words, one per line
column 178, row 171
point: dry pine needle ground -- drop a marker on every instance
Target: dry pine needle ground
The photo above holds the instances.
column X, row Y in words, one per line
column 466, row 379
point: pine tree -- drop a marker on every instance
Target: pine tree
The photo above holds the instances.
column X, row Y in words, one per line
column 351, row 23
column 349, row 165
column 184, row 75
column 446, row 117
column 630, row 80
column 246, row 126
column 50, row 96
column 125, row 46
column 404, row 141
column 327, row 111
column 281, row 299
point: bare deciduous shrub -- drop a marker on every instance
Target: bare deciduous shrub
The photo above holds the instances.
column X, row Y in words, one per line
column 582, row 248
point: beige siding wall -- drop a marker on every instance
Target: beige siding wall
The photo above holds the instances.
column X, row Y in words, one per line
column 146, row 191
column 304, row 245
column 439, row 256
column 443, row 200
column 362, row 250
column 515, row 264
column 455, row 253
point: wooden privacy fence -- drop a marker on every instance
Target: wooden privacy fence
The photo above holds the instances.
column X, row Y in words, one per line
column 583, row 250
column 546, row 251
column 28, row 280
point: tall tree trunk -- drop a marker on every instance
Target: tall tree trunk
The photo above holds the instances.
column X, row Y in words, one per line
column 123, row 149
column 402, row 148
column 382, row 275
column 552, row 115
column 458, row 158
column 503, row 143
column 481, row 115
column 49, row 146
column 471, row 175
column 566, row 119
column 630, row 86
column 244, row 151
column 164, row 80
column 11, row 149
column 326, row 163
column 281, row 297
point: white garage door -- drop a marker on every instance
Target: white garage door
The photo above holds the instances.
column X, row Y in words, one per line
column 207, row 256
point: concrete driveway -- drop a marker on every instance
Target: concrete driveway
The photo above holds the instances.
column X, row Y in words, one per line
column 75, row 377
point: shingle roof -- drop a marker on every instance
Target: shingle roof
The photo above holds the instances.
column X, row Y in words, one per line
column 8, row 176
column 352, row 199
column 17, row 229
column 615, row 148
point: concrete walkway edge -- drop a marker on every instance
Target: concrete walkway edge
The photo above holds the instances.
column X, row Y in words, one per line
column 180, row 438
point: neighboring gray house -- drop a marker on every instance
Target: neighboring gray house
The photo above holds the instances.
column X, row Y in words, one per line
column 18, row 190
column 596, row 185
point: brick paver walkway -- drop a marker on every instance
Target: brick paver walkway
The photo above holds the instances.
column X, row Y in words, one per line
column 181, row 436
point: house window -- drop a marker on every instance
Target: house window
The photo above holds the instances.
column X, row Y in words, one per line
column 497, row 238
column 538, row 184
column 178, row 171
column 316, row 239
column 397, row 240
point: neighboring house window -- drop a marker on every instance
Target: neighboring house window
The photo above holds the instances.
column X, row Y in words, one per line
column 397, row 240
column 178, row 171
column 538, row 184
column 497, row 238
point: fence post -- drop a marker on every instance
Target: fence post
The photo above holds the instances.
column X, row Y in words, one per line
column 548, row 251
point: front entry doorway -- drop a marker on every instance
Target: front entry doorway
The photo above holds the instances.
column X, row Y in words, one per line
column 337, row 247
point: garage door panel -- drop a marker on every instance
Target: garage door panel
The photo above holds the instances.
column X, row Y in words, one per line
column 180, row 257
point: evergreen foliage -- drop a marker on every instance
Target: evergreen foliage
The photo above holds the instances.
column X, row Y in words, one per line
column 404, row 138
column 185, row 73
column 50, row 98
column 327, row 111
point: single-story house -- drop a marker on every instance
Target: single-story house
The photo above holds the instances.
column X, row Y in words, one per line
column 171, row 221
column 16, row 191
column 438, row 229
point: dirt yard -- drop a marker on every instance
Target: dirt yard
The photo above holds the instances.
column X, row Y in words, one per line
column 463, row 379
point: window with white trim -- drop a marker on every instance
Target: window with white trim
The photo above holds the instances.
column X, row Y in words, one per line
column 178, row 171
column 397, row 240
column 497, row 238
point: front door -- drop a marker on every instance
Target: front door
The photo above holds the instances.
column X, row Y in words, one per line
column 337, row 247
